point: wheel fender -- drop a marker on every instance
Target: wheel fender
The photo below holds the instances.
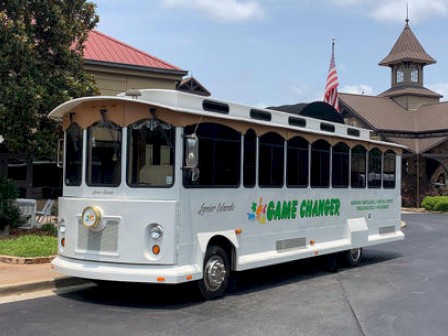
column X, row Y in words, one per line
column 204, row 238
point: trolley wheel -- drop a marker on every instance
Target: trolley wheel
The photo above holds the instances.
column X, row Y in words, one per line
column 353, row 257
column 331, row 263
column 216, row 273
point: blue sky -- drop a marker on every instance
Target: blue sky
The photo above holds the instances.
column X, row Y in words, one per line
column 276, row 52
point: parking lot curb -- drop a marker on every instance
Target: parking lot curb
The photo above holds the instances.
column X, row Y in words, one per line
column 22, row 260
column 56, row 283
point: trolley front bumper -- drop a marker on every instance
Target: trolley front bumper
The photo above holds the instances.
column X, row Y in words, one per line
column 97, row 270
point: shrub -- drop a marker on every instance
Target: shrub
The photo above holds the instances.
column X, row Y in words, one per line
column 429, row 202
column 49, row 229
column 441, row 203
column 437, row 203
column 9, row 212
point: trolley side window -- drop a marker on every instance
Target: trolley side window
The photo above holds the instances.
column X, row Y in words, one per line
column 320, row 164
column 150, row 160
column 297, row 162
column 250, row 157
column 375, row 168
column 73, row 155
column 358, row 163
column 104, row 154
column 219, row 157
column 340, row 165
column 271, row 155
column 389, row 176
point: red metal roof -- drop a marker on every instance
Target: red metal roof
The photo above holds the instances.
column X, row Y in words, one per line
column 103, row 48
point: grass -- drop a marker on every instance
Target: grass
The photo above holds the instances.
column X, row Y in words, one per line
column 29, row 246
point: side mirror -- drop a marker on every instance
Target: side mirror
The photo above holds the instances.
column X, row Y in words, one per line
column 191, row 151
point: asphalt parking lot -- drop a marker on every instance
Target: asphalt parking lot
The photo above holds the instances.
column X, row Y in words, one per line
column 399, row 289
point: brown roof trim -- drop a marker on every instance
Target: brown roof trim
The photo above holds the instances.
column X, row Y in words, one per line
column 410, row 90
column 414, row 135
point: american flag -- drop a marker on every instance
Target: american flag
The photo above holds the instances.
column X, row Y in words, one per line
column 331, row 89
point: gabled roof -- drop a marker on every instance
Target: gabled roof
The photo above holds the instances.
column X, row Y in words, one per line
column 418, row 145
column 422, row 129
column 192, row 85
column 380, row 113
column 407, row 49
column 102, row 48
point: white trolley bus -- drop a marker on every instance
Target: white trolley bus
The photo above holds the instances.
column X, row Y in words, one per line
column 162, row 186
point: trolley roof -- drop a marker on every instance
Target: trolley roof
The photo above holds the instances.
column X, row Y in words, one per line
column 207, row 106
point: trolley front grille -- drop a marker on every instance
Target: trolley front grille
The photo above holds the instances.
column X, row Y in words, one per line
column 105, row 240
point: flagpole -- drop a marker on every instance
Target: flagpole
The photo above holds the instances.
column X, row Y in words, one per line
column 331, row 87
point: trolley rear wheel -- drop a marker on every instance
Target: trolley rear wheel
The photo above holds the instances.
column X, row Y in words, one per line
column 353, row 257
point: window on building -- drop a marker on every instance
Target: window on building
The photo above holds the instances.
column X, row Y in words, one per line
column 150, row 160
column 340, row 166
column 389, row 174
column 219, row 156
column 250, row 157
column 374, row 168
column 358, row 164
column 320, row 164
column 414, row 73
column 271, row 160
column 400, row 74
column 297, row 162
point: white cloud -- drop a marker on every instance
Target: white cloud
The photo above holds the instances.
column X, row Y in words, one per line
column 419, row 10
column 441, row 88
column 302, row 93
column 222, row 10
column 395, row 10
column 357, row 89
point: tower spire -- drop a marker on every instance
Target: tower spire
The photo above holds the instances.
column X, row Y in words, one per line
column 407, row 12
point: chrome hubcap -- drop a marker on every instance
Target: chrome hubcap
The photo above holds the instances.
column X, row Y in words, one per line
column 214, row 273
column 355, row 254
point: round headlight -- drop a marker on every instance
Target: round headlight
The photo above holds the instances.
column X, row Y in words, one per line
column 156, row 231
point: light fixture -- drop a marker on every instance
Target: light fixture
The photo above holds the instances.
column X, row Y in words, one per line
column 156, row 231
column 2, row 139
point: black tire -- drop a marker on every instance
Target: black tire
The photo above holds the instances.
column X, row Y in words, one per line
column 331, row 263
column 353, row 257
column 216, row 273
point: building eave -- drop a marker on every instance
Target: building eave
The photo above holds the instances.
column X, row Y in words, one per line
column 139, row 68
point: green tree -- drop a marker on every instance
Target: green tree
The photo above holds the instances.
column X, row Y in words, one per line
column 41, row 66
column 9, row 213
